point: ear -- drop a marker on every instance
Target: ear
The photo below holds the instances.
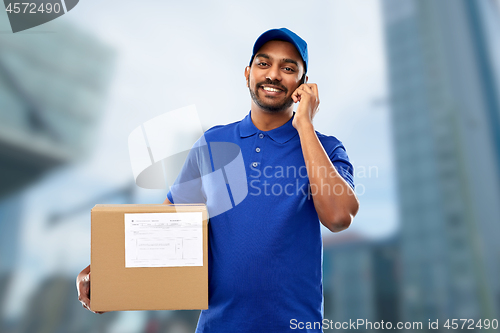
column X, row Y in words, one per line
column 307, row 78
column 247, row 73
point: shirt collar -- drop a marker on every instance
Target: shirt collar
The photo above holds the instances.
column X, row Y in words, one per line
column 281, row 134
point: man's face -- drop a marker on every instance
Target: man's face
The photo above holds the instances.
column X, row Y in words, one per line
column 274, row 75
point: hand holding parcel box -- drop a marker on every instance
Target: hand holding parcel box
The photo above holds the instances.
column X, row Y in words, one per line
column 149, row 257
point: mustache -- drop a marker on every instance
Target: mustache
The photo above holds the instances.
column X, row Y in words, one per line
column 273, row 83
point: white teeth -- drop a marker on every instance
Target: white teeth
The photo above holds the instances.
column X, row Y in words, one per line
column 270, row 89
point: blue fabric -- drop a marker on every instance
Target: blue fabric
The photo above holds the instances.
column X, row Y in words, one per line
column 265, row 254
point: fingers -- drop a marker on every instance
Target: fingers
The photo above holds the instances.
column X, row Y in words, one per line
column 309, row 88
column 83, row 288
column 84, row 291
column 306, row 87
column 314, row 88
column 85, row 300
column 296, row 95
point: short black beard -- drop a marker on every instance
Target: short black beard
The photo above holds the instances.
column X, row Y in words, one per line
column 274, row 109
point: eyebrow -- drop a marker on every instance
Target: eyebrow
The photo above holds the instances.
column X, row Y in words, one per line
column 288, row 60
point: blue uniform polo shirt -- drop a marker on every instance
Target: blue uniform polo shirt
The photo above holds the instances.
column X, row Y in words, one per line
column 265, row 251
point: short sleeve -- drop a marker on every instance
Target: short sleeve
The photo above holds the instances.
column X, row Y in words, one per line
column 340, row 161
column 188, row 188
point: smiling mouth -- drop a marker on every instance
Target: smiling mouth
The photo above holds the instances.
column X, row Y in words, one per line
column 271, row 90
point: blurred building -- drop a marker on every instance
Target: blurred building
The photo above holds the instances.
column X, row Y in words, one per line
column 443, row 61
column 52, row 92
column 361, row 279
column 54, row 308
column 10, row 213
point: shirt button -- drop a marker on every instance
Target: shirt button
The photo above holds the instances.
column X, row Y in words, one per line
column 257, row 149
column 261, row 135
column 254, row 164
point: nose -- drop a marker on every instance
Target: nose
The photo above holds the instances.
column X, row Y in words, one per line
column 274, row 73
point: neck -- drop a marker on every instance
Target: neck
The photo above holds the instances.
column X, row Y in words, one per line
column 266, row 121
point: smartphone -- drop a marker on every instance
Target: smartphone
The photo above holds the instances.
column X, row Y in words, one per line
column 303, row 79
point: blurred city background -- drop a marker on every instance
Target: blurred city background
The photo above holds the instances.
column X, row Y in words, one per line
column 411, row 87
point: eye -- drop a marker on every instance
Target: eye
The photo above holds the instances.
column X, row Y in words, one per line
column 262, row 64
column 289, row 69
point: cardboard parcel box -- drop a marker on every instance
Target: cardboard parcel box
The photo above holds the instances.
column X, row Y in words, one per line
column 149, row 257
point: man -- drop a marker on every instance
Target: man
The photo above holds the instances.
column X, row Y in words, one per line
column 265, row 254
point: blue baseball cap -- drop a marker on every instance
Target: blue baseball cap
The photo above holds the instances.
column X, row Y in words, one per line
column 285, row 35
